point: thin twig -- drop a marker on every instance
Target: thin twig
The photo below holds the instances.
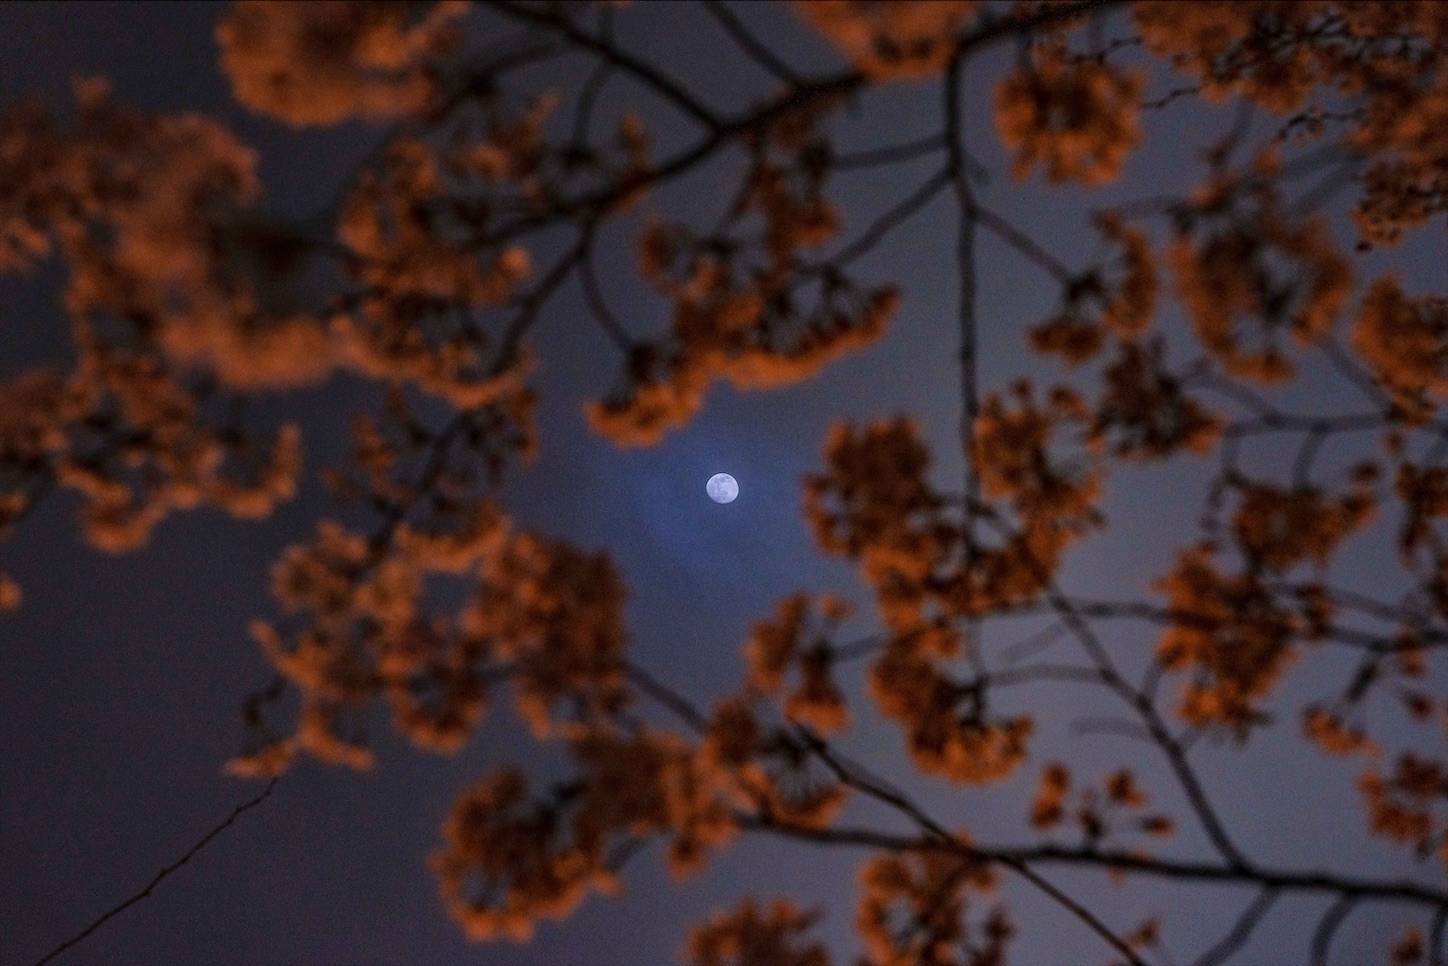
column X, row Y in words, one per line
column 853, row 776
column 649, row 75
column 667, row 697
column 1328, row 926
column 897, row 215
column 1241, row 930
column 1124, row 861
column 1080, row 911
column 956, row 168
column 893, row 154
column 749, row 43
column 1022, row 243
column 598, row 305
column 160, row 876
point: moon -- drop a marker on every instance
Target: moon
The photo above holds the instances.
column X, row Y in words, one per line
column 722, row 488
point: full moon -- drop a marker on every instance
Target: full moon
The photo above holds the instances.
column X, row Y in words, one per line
column 722, row 488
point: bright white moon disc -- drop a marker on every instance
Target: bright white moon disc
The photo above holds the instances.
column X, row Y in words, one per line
column 722, row 488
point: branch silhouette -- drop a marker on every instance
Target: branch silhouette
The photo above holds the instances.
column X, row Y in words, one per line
column 159, row 877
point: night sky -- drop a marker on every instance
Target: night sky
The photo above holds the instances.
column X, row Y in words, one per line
column 121, row 678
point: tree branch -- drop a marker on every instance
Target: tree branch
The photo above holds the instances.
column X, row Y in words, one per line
column 651, row 77
column 157, row 879
column 1241, row 930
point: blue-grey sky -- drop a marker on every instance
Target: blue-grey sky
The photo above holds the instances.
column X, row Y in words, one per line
column 121, row 678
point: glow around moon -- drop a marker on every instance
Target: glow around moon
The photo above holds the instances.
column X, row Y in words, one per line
column 722, row 488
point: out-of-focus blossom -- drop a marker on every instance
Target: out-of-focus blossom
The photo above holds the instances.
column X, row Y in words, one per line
column 752, row 934
column 1405, row 342
column 786, row 641
column 930, row 892
column 898, row 40
column 334, row 60
column 1409, row 805
column 1231, row 634
column 1254, row 277
column 1387, row 57
column 737, row 312
column 1077, row 118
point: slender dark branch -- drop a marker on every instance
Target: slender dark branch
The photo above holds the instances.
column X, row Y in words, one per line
column 1320, row 193
column 893, row 154
column 966, row 270
column 1022, row 243
column 890, row 220
column 1110, row 726
column 653, row 78
column 1349, row 370
column 598, row 305
column 160, row 876
column 1241, row 930
column 1078, row 910
column 1306, row 455
column 1327, row 927
column 1171, row 96
column 532, row 303
column 1120, row 861
column 588, row 100
column 667, row 697
column 1032, row 673
column 622, row 853
column 956, row 168
column 852, row 776
column 1034, row 644
column 749, row 43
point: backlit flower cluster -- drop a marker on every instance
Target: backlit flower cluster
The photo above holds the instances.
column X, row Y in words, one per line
column 1278, row 528
column 1075, row 117
column 1249, row 275
column 738, row 310
column 751, row 933
column 542, row 614
column 788, row 641
column 422, row 286
column 151, row 216
column 1404, row 341
column 915, row 909
column 329, row 61
column 1410, row 804
column 902, row 40
column 1116, row 300
column 1387, row 60
column 873, row 504
column 508, row 860
column 1098, row 813
column 136, row 444
column 1232, row 636
column 1144, row 412
column 1422, row 544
